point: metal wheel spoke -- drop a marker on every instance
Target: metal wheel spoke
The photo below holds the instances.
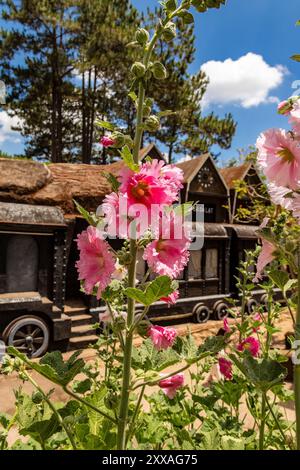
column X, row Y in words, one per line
column 21, row 334
column 38, row 340
column 17, row 342
column 29, row 329
column 35, row 332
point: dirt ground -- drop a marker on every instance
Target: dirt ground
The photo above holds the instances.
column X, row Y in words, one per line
column 10, row 383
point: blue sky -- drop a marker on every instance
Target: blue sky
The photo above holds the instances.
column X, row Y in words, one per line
column 245, row 48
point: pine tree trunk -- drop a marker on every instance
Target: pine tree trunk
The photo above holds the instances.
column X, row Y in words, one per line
column 83, row 112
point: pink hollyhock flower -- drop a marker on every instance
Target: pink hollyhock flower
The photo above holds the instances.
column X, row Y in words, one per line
column 250, row 344
column 141, row 188
column 279, row 157
column 168, row 255
column 225, row 367
column 170, row 175
column 96, row 264
column 107, row 141
column 171, row 385
column 114, row 208
column 162, row 338
column 265, row 257
column 108, row 316
column 226, row 326
column 278, row 196
column 171, row 299
column 154, row 184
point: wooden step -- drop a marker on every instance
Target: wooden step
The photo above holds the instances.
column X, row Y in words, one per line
column 82, row 342
column 81, row 330
column 82, row 319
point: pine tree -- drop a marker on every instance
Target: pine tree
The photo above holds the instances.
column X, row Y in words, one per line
column 104, row 30
column 40, row 85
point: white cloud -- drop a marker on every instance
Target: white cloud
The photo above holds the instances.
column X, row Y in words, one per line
column 246, row 81
column 6, row 125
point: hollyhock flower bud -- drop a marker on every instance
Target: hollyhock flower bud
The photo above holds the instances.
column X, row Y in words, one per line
column 107, row 141
column 138, row 69
column 96, row 263
column 186, row 16
column 225, row 367
column 159, row 71
column 171, row 5
column 171, row 299
column 171, row 385
column 226, row 326
column 162, row 338
column 142, row 36
column 285, row 107
column 152, row 124
column 169, row 32
column 250, row 344
column 199, row 5
column 119, row 139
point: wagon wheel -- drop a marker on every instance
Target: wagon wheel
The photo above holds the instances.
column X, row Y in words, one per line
column 221, row 311
column 29, row 334
column 201, row 314
column 251, row 306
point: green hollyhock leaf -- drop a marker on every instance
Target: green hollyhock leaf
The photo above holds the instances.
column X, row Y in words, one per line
column 128, row 159
column 264, row 373
column 280, row 278
column 42, row 430
column 160, row 287
column 105, row 125
column 113, row 181
column 232, row 443
column 85, row 214
column 52, row 365
column 212, row 345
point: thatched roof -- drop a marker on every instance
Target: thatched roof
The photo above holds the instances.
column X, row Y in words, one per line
column 58, row 184
column 22, row 177
column 55, row 184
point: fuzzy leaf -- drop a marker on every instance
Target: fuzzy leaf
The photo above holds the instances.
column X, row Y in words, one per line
column 128, row 159
column 52, row 365
column 105, row 125
column 160, row 287
column 85, row 214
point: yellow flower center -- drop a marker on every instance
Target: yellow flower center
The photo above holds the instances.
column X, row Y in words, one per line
column 140, row 190
column 286, row 155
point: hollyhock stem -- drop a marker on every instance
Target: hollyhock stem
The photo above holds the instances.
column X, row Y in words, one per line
column 123, row 413
column 125, row 391
column 297, row 366
column 262, row 422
